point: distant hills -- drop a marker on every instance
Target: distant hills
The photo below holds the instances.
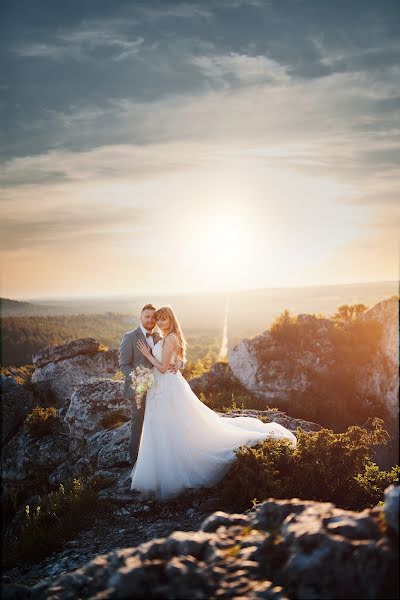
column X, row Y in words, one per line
column 250, row 310
column 15, row 308
column 28, row 327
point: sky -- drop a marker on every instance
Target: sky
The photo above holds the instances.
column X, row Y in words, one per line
column 192, row 146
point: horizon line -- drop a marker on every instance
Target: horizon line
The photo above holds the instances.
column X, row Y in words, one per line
column 127, row 295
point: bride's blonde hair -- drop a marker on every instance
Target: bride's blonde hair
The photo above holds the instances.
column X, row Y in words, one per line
column 174, row 328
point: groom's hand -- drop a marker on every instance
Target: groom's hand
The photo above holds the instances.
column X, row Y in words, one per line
column 173, row 368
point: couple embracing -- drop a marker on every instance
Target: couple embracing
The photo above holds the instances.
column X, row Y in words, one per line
column 177, row 442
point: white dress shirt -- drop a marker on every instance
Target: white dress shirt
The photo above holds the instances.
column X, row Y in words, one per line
column 149, row 339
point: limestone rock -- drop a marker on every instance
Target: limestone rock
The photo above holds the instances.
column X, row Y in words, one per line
column 75, row 348
column 219, row 376
column 93, row 401
column 27, row 461
column 109, row 448
column 387, row 313
column 73, row 365
column 385, row 384
column 28, row 458
column 281, row 549
column 391, row 507
column 276, row 416
column 16, row 403
column 272, row 376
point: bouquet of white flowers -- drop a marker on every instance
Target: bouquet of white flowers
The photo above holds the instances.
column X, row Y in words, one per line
column 142, row 379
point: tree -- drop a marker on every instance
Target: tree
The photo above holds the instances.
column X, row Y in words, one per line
column 349, row 312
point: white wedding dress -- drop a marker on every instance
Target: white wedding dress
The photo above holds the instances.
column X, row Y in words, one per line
column 185, row 444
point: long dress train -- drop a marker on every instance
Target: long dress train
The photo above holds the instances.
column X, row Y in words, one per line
column 185, row 444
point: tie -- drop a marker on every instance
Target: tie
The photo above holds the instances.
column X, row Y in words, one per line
column 149, row 335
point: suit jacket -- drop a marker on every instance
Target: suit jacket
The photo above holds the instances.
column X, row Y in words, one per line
column 130, row 356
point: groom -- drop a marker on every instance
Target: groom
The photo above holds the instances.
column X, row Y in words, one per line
column 129, row 358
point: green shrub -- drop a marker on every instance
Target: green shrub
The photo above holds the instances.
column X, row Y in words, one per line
column 325, row 466
column 47, row 525
column 42, row 421
column 373, row 481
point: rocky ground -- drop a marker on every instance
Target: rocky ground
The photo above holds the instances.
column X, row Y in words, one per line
column 121, row 520
column 281, row 549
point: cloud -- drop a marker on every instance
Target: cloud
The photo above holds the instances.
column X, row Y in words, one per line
column 243, row 68
column 182, row 10
column 82, row 225
column 334, row 125
column 82, row 44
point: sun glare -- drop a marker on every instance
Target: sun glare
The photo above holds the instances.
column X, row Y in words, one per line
column 221, row 250
column 223, row 237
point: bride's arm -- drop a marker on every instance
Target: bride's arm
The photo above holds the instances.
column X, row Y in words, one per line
column 169, row 346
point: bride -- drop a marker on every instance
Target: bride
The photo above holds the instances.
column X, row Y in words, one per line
column 185, row 444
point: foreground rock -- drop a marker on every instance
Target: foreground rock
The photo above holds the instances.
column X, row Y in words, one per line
column 61, row 369
column 282, row 549
column 122, row 520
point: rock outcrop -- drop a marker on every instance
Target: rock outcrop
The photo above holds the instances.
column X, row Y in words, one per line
column 272, row 375
column 64, row 368
column 16, row 403
column 92, row 402
column 53, row 354
column 276, row 416
column 220, row 376
column 109, row 448
column 385, row 384
column 281, row 549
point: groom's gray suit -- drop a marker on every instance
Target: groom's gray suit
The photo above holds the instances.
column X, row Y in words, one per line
column 129, row 358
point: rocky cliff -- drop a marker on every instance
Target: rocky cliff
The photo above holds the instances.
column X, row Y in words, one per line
column 275, row 378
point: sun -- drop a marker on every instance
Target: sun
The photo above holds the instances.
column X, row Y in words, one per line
column 223, row 238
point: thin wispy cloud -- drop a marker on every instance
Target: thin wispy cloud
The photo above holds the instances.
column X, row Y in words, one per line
column 82, row 45
column 243, row 68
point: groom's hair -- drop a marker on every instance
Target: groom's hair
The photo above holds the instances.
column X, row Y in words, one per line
column 148, row 307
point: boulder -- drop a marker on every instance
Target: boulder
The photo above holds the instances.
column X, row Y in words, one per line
column 30, row 459
column 280, row 549
column 73, row 364
column 109, row 448
column 75, row 348
column 391, row 507
column 91, row 402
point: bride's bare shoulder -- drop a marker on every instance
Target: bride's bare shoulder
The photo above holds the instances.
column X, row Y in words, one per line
column 171, row 339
